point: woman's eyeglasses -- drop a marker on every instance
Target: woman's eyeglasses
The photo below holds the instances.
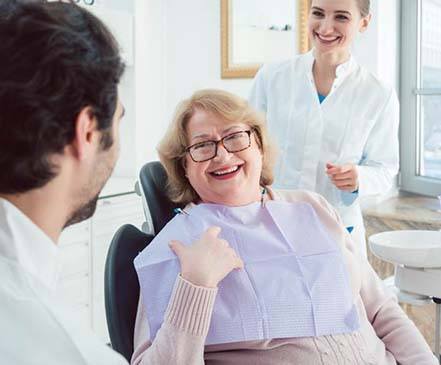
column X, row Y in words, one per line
column 234, row 142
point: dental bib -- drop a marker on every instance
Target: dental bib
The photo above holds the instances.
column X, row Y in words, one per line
column 294, row 283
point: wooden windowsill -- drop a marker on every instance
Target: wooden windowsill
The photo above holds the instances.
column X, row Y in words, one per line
column 405, row 207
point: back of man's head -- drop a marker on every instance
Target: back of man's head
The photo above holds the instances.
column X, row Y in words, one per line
column 56, row 59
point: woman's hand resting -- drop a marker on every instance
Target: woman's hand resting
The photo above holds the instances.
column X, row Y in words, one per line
column 208, row 260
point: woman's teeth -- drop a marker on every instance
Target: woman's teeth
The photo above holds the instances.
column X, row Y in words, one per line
column 327, row 39
column 226, row 171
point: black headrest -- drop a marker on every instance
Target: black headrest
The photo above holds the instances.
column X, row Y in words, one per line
column 153, row 180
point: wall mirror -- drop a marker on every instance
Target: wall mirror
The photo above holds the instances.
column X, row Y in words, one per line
column 254, row 32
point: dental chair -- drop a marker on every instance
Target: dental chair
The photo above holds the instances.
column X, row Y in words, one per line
column 152, row 188
column 121, row 287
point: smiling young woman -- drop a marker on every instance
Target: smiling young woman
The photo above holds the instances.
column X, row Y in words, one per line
column 336, row 124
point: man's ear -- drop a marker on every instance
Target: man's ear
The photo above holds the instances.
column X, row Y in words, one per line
column 85, row 133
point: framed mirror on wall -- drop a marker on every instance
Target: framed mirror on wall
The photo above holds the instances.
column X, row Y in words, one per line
column 254, row 32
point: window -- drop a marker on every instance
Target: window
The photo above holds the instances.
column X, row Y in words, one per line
column 421, row 96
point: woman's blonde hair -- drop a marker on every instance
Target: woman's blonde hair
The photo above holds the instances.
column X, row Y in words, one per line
column 363, row 5
column 172, row 148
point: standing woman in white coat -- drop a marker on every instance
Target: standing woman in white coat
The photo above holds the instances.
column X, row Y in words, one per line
column 336, row 124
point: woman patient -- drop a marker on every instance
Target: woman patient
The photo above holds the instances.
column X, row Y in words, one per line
column 249, row 275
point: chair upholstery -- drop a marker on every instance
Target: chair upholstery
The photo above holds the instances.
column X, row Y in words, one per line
column 153, row 180
column 121, row 287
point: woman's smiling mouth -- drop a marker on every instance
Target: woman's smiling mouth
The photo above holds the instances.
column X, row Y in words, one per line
column 326, row 39
column 226, row 173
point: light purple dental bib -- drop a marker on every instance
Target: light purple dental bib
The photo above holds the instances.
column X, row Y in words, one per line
column 294, row 284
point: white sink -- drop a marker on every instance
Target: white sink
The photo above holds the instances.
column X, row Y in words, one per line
column 420, row 249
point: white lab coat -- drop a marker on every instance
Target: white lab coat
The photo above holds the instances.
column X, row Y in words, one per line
column 356, row 123
column 36, row 328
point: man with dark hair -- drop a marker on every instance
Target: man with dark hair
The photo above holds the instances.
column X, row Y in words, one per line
column 59, row 117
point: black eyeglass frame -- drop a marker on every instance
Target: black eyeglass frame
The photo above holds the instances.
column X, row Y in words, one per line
column 216, row 144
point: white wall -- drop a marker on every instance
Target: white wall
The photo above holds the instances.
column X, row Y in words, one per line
column 192, row 53
column 378, row 48
column 178, row 51
column 150, row 75
column 389, row 41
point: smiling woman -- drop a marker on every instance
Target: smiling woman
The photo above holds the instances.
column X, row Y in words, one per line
column 210, row 123
column 336, row 123
column 258, row 276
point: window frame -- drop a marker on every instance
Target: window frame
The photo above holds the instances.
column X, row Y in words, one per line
column 410, row 103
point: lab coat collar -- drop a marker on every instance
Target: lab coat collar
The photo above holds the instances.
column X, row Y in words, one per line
column 345, row 68
column 309, row 60
column 26, row 244
column 342, row 70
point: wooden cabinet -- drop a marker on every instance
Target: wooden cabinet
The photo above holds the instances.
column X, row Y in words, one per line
column 83, row 251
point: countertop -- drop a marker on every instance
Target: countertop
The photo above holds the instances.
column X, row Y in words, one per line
column 405, row 207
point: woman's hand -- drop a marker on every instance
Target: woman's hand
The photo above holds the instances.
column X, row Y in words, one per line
column 208, row 260
column 344, row 177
